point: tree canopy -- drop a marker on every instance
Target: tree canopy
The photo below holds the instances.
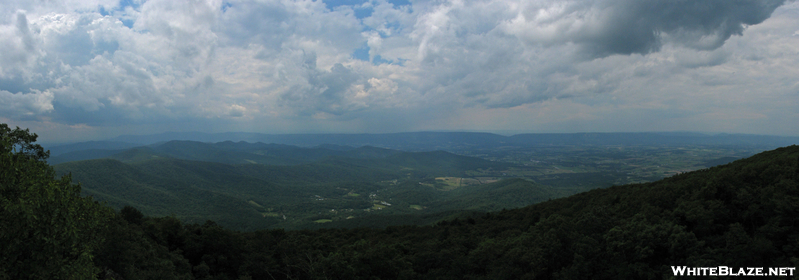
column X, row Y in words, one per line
column 743, row 214
column 47, row 230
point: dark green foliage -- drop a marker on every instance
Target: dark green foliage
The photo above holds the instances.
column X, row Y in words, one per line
column 131, row 215
column 510, row 193
column 197, row 191
column 742, row 214
column 82, row 155
column 141, row 251
column 223, row 152
column 91, row 145
column 256, row 196
column 719, row 161
column 440, row 162
column 47, row 230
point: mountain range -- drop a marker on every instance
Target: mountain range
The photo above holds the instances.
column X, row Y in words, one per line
column 738, row 216
column 448, row 141
column 255, row 185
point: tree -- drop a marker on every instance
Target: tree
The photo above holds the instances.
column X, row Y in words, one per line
column 47, row 230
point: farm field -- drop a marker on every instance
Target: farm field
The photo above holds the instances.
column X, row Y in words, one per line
column 452, row 183
column 348, row 191
column 608, row 165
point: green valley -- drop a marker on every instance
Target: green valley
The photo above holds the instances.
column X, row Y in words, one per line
column 401, row 215
column 251, row 186
column 336, row 189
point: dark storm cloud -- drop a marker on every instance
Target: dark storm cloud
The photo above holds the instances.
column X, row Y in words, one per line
column 473, row 55
column 323, row 90
column 642, row 27
column 25, row 33
column 454, row 64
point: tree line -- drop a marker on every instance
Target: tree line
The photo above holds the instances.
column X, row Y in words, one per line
column 743, row 214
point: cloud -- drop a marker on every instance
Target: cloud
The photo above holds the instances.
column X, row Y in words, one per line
column 24, row 32
column 26, row 106
column 237, row 110
column 320, row 90
column 101, row 64
column 605, row 28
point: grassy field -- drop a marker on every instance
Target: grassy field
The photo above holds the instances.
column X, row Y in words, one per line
column 262, row 196
column 452, row 183
column 253, row 203
column 626, row 164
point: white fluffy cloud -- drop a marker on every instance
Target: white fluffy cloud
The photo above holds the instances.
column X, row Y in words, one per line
column 286, row 65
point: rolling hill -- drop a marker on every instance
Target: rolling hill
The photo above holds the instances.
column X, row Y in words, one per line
column 738, row 215
column 223, row 152
column 340, row 185
column 448, row 141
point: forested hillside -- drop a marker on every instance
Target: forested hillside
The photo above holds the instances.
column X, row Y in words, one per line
column 340, row 188
column 425, row 141
column 742, row 214
column 223, row 152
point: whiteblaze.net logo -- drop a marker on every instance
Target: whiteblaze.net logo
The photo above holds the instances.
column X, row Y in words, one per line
column 732, row 271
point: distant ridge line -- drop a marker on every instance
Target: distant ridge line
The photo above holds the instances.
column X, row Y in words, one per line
column 448, row 141
column 431, row 140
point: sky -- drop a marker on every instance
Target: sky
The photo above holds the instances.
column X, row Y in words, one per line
column 77, row 70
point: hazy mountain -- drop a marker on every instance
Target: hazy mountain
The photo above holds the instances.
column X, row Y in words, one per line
column 739, row 215
column 416, row 141
column 91, row 145
column 196, row 182
column 82, row 155
column 650, row 139
column 310, row 147
column 224, row 152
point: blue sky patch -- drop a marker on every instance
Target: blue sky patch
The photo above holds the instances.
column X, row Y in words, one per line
column 127, row 3
column 226, row 5
column 380, row 60
column 361, row 13
column 361, row 53
column 398, row 3
column 332, row 4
